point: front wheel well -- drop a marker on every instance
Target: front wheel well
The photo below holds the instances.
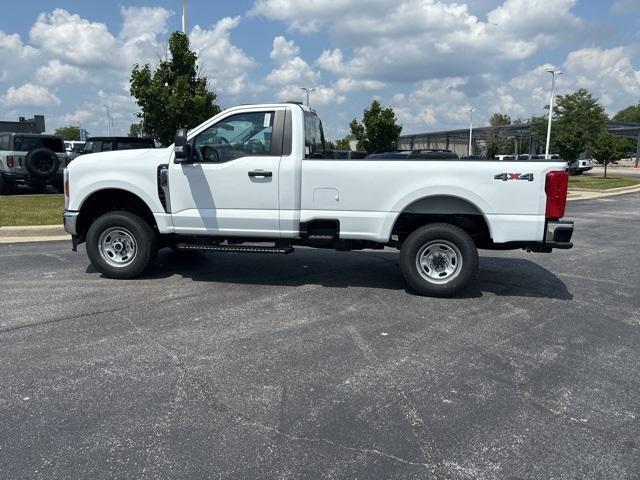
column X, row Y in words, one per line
column 109, row 200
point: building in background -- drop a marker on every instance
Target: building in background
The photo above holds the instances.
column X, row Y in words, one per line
column 24, row 125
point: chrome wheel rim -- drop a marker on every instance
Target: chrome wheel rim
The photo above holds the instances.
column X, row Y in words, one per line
column 439, row 261
column 117, row 247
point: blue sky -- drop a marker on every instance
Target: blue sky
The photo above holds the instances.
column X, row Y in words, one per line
column 431, row 60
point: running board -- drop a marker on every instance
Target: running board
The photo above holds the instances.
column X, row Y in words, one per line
column 235, row 248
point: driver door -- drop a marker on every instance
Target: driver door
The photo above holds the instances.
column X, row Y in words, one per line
column 231, row 188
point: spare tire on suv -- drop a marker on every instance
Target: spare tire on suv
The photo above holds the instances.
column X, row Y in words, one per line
column 42, row 163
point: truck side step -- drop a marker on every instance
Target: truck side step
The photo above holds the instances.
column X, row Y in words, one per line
column 235, row 248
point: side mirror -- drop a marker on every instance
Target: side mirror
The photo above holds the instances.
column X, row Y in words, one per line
column 182, row 148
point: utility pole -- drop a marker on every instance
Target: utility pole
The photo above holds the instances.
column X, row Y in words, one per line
column 471, row 110
column 308, row 90
column 185, row 22
column 553, row 93
column 109, row 120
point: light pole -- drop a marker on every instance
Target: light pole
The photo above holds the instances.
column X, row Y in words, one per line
column 109, row 121
column 471, row 110
column 553, row 93
column 308, row 90
column 184, row 17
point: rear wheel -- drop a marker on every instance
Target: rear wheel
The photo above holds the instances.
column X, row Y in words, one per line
column 439, row 260
column 121, row 245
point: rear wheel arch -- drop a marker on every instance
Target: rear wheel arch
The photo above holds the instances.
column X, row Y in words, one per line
column 443, row 209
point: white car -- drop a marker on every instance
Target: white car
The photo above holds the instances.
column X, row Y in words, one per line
column 258, row 173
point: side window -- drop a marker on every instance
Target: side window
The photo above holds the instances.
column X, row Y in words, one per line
column 237, row 136
column 4, row 142
column 107, row 146
column 313, row 136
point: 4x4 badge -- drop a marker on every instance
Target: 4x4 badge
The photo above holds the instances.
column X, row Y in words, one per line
column 514, row 176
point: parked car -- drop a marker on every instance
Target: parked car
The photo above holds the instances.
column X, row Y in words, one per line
column 258, row 174
column 108, row 144
column 73, row 148
column 31, row 159
column 580, row 166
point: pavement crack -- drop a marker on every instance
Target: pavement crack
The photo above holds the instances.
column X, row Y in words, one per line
column 58, row 320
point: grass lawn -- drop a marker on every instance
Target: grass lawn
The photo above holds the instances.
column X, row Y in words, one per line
column 599, row 183
column 21, row 210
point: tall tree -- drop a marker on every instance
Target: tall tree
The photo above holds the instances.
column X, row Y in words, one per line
column 173, row 96
column 135, row 130
column 497, row 143
column 378, row 131
column 607, row 149
column 629, row 114
column 499, row 120
column 343, row 143
column 578, row 119
column 69, row 133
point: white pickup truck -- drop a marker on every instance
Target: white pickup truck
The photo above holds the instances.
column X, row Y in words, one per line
column 257, row 174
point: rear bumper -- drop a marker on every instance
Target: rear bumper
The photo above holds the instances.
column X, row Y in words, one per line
column 19, row 178
column 558, row 234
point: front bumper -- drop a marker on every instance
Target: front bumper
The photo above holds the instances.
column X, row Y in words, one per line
column 70, row 220
column 558, row 234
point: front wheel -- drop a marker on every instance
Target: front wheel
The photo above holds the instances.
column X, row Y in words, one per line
column 439, row 260
column 121, row 245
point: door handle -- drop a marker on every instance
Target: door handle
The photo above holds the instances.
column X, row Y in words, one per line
column 260, row 173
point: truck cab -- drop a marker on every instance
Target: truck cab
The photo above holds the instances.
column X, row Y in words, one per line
column 259, row 173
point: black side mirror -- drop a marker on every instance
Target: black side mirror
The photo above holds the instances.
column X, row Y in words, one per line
column 182, row 148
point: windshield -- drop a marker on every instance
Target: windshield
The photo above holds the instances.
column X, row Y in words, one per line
column 313, row 136
column 26, row 144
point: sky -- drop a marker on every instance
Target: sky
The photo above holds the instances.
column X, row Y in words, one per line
column 431, row 60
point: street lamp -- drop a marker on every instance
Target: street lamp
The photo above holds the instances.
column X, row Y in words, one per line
column 471, row 110
column 308, row 90
column 553, row 93
column 184, row 17
column 109, row 121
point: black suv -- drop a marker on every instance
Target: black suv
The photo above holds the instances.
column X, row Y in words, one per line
column 31, row 159
column 108, row 144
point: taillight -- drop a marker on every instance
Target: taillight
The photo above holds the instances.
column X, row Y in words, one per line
column 9, row 159
column 556, row 187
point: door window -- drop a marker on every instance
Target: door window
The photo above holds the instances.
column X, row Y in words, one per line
column 4, row 142
column 241, row 135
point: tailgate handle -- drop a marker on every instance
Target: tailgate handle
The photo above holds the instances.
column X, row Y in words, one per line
column 260, row 174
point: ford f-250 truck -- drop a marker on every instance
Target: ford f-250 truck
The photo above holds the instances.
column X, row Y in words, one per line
column 257, row 174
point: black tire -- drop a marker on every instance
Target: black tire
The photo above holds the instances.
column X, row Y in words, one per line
column 42, row 163
column 146, row 244
column 437, row 244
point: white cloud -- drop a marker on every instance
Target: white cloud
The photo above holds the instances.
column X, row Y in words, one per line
column 225, row 64
column 293, row 72
column 57, row 73
column 29, row 95
column 283, row 50
column 143, row 23
column 409, row 40
column 320, row 97
column 75, row 39
column 346, row 85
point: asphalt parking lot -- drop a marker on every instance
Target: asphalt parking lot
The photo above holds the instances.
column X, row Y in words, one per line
column 321, row 365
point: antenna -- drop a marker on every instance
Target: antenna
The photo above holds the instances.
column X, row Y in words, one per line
column 184, row 17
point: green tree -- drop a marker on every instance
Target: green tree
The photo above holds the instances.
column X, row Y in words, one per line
column 135, row 130
column 343, row 143
column 173, row 96
column 607, row 149
column 69, row 133
column 497, row 144
column 378, row 130
column 629, row 114
column 499, row 120
column 578, row 119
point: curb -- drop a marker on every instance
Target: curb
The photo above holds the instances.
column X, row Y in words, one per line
column 37, row 233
